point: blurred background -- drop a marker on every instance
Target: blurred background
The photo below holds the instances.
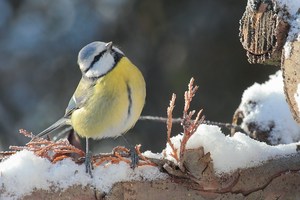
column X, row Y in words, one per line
column 170, row 41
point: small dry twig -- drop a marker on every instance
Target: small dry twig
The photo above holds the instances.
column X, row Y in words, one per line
column 53, row 151
column 189, row 125
column 120, row 154
column 169, row 127
column 144, row 159
column 56, row 151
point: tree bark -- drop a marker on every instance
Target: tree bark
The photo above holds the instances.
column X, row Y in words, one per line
column 263, row 31
column 291, row 76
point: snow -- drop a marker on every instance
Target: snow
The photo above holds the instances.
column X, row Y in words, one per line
column 265, row 105
column 106, row 177
column 261, row 104
column 149, row 154
column 294, row 20
column 297, row 97
column 168, row 150
column 23, row 172
column 287, row 49
column 231, row 153
column 239, row 151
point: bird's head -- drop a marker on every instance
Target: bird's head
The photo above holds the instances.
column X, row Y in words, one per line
column 98, row 58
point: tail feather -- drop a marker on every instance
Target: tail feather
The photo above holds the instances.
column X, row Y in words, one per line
column 60, row 123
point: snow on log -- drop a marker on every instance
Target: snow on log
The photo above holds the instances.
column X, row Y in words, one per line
column 270, row 33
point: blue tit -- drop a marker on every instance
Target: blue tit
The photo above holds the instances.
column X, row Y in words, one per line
column 109, row 97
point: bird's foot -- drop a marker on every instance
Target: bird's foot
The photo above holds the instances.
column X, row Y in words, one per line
column 88, row 163
column 134, row 157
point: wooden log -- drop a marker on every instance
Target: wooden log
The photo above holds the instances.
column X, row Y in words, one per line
column 263, row 31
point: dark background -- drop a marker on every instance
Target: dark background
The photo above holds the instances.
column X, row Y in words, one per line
column 170, row 41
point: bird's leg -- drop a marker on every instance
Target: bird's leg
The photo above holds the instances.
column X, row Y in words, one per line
column 134, row 157
column 133, row 154
column 88, row 156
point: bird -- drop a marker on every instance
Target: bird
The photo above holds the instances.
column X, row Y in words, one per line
column 108, row 99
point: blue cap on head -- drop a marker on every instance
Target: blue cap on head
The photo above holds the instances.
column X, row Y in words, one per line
column 89, row 51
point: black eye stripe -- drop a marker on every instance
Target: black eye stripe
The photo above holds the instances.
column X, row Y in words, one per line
column 116, row 55
column 96, row 59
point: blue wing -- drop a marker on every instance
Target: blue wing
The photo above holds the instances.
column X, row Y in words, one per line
column 81, row 95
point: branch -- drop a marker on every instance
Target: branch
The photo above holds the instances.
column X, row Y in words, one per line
column 189, row 126
column 169, row 127
column 179, row 120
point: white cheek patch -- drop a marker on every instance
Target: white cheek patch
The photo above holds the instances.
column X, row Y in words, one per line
column 101, row 67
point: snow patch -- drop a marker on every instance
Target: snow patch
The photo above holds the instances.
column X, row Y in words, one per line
column 265, row 105
column 149, row 154
column 287, row 49
column 261, row 104
column 23, row 172
column 294, row 20
column 231, row 153
column 297, row 97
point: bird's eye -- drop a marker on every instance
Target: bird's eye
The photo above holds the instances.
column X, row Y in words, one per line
column 96, row 59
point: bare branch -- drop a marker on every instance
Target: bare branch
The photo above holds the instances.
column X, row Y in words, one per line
column 169, row 127
column 189, row 125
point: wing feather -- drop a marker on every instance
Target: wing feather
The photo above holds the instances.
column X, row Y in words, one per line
column 82, row 93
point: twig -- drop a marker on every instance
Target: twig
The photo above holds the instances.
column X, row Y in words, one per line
column 53, row 151
column 189, row 126
column 188, row 96
column 169, row 127
column 179, row 120
column 56, row 151
column 142, row 157
column 119, row 154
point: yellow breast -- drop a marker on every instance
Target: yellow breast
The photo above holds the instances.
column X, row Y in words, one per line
column 115, row 104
